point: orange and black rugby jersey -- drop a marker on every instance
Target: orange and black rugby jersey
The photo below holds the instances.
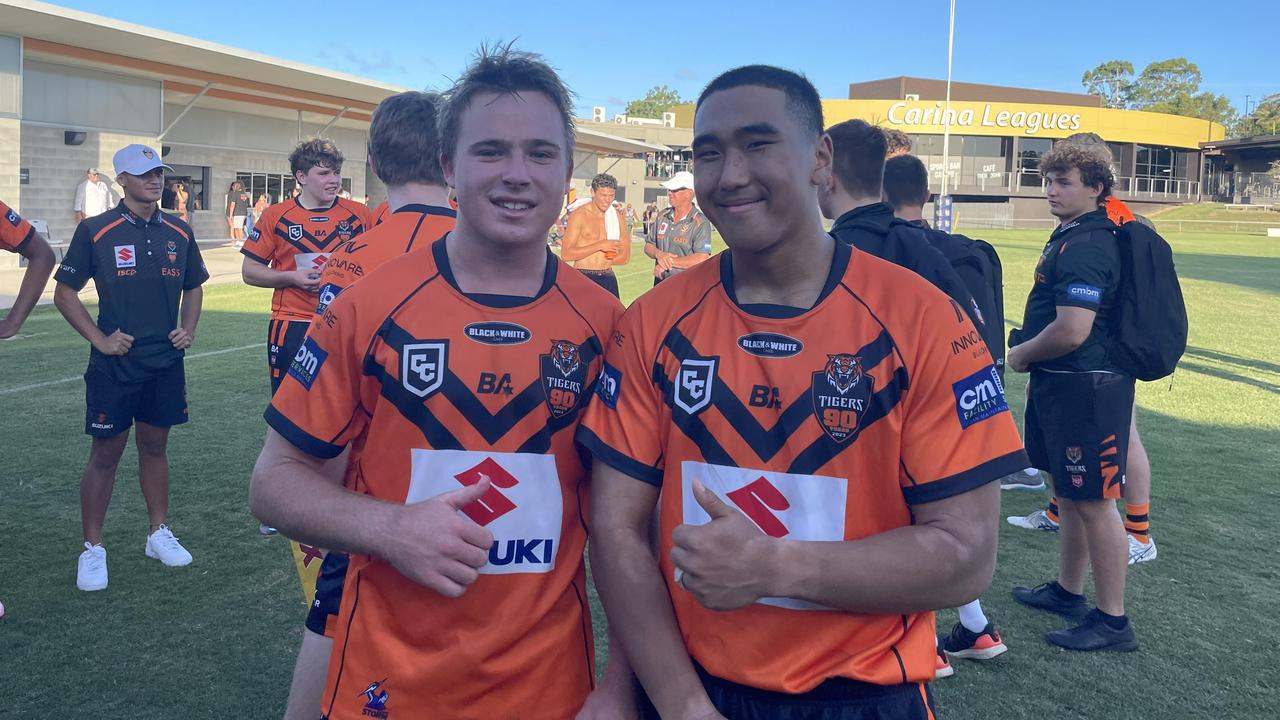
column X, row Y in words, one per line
column 15, row 232
column 291, row 237
column 380, row 213
column 1117, row 211
column 824, row 424
column 395, row 235
column 435, row 390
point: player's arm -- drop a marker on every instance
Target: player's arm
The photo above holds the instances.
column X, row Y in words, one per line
column 573, row 247
column 184, row 336
column 614, row 695
column 945, row 559
column 1067, row 332
column 635, row 596
column 259, row 274
column 700, row 241
column 67, row 300
column 40, row 262
column 429, row 542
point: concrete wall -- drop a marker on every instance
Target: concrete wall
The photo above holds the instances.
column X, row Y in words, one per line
column 57, row 168
column 10, row 162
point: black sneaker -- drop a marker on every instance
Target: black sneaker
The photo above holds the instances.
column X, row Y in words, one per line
column 1094, row 634
column 1050, row 596
column 964, row 643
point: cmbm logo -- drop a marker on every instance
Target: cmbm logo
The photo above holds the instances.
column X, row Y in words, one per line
column 328, row 293
column 770, row 345
column 694, row 380
column 422, row 366
column 1084, row 293
column 497, row 333
column 307, row 363
column 610, row 383
column 979, row 396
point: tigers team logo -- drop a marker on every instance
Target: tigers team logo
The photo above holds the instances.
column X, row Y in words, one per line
column 841, row 391
column 563, row 377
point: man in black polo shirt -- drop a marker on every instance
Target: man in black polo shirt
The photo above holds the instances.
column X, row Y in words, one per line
column 141, row 261
column 1079, row 404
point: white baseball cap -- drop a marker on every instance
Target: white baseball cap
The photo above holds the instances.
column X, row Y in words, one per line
column 682, row 180
column 137, row 159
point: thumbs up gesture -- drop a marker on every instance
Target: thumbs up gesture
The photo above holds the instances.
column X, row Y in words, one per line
column 439, row 547
column 724, row 563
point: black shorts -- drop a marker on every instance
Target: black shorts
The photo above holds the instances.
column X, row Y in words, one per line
column 111, row 406
column 1077, row 430
column 835, row 699
column 323, row 616
column 604, row 278
column 284, row 337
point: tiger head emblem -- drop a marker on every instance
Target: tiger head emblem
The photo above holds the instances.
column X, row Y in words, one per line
column 844, row 371
column 564, row 355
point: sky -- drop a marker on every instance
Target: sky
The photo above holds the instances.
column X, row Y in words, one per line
column 610, row 53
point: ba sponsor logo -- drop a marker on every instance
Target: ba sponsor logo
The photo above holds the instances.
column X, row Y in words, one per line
column 494, row 384
column 841, row 392
column 979, row 396
column 1084, row 293
column 523, row 506
column 126, row 257
column 295, row 232
column 695, row 379
column 609, row 385
column 497, row 333
column 782, row 505
column 563, row 377
column 13, row 218
column 307, row 362
column 423, row 365
column 328, row 293
column 770, row 345
column 375, row 700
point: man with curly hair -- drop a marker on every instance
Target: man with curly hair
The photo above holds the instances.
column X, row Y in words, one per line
column 1079, row 405
column 897, row 143
column 598, row 236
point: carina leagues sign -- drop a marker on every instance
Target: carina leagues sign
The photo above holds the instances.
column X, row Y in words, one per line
column 1029, row 121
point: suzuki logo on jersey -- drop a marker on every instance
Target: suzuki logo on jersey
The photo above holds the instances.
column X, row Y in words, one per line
column 694, row 380
column 563, row 377
column 979, row 396
column 422, row 366
column 307, row 363
column 523, row 506
column 328, row 293
column 841, row 392
column 375, row 705
column 295, row 232
column 790, row 505
column 126, row 257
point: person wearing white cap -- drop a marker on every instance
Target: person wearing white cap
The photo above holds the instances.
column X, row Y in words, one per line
column 147, row 270
column 93, row 196
column 681, row 235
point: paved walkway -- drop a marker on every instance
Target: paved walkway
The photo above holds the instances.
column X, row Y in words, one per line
column 220, row 257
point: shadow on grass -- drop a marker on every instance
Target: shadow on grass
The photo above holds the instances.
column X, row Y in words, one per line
column 1257, row 273
column 1229, row 359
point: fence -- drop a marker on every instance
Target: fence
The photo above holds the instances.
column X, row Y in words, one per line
column 1243, row 227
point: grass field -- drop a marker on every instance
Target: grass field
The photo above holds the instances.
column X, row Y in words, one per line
column 216, row 639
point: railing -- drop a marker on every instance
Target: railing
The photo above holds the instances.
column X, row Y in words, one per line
column 1243, row 227
column 1021, row 181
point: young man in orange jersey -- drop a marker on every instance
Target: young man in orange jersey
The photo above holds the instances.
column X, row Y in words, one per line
column 457, row 375
column 820, row 492
column 17, row 236
column 290, row 245
column 404, row 152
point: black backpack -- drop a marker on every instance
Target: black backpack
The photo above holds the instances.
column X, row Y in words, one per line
column 1148, row 325
column 978, row 266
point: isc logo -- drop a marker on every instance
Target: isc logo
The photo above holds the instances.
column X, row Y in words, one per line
column 523, row 506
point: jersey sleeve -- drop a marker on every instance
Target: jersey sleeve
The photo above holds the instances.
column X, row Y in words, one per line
column 15, row 232
column 196, row 273
column 700, row 240
column 1087, row 269
column 958, row 433
column 318, row 407
column 78, row 265
column 262, row 241
column 622, row 425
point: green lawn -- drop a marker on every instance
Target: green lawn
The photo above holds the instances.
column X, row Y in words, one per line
column 216, row 639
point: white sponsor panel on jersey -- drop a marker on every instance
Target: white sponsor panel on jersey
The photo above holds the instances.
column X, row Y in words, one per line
column 784, row 505
column 311, row 261
column 523, row 507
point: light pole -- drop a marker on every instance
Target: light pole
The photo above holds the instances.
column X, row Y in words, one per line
column 942, row 208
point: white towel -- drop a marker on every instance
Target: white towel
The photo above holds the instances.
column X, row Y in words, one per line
column 612, row 231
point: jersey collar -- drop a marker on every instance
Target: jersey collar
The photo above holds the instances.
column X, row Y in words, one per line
column 427, row 210
column 839, row 264
column 441, row 256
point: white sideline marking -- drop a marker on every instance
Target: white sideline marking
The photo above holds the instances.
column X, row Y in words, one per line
column 47, row 383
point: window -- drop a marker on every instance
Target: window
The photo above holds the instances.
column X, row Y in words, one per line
column 1029, row 152
column 276, row 186
column 196, row 178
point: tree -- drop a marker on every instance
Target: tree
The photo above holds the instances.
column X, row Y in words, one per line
column 1112, row 80
column 1166, row 81
column 658, row 100
column 1205, row 106
column 1264, row 120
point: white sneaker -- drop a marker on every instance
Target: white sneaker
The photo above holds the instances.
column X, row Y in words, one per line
column 264, row 529
column 1028, row 479
column 91, row 572
column 163, row 546
column 1038, row 520
column 1141, row 552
